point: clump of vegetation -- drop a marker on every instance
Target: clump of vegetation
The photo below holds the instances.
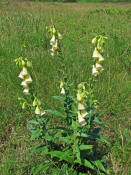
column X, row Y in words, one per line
column 74, row 144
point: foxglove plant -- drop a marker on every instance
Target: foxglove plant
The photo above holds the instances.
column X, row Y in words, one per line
column 98, row 42
column 73, row 142
column 54, row 42
column 24, row 75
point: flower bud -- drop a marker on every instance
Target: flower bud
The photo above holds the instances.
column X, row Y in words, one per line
column 29, row 64
column 63, row 91
column 94, row 41
column 59, row 35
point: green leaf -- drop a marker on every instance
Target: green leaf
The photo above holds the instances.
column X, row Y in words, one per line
column 40, row 168
column 99, row 165
column 39, row 149
column 67, row 155
column 33, row 122
column 88, row 164
column 96, row 120
column 59, row 98
column 82, row 135
column 57, row 113
column 67, row 139
column 36, row 134
column 85, row 147
column 60, row 128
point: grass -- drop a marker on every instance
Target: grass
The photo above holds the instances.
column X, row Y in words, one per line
column 23, row 23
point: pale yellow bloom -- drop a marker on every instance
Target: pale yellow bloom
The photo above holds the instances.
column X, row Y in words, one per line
column 29, row 64
column 63, row 91
column 36, row 102
column 24, row 84
column 95, row 53
column 28, row 79
column 81, row 119
column 22, row 62
column 98, row 67
column 26, row 90
column 81, row 106
column 23, row 73
column 94, row 71
column 53, row 30
column 59, row 35
column 23, row 105
column 53, row 40
column 61, row 84
column 97, row 56
column 55, row 45
column 84, row 113
column 39, row 111
column 94, row 41
column 100, row 58
column 80, row 96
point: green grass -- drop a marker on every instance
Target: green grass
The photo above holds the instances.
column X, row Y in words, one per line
column 24, row 23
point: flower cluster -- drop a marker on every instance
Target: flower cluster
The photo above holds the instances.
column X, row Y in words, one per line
column 54, row 40
column 81, row 101
column 24, row 75
column 38, row 108
column 62, row 88
column 98, row 41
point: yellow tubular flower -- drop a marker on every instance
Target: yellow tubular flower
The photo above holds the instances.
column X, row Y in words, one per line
column 61, row 84
column 53, row 30
column 100, row 58
column 55, row 45
column 28, row 79
column 29, row 64
column 94, row 41
column 59, row 35
column 24, row 84
column 84, row 113
column 98, row 67
column 81, row 119
column 94, row 71
column 53, row 40
column 63, row 91
column 42, row 112
column 26, row 90
column 95, row 53
column 97, row 56
column 37, row 110
column 81, row 106
column 23, row 73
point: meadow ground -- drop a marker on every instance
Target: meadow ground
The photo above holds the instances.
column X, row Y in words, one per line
column 23, row 33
